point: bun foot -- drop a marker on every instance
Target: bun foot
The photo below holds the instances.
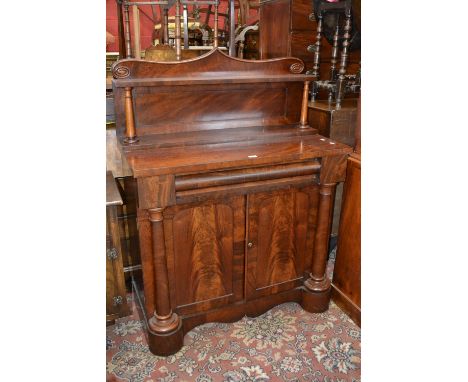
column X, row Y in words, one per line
column 166, row 344
column 316, row 302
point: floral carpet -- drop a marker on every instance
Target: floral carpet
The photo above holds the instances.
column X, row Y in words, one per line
column 284, row 344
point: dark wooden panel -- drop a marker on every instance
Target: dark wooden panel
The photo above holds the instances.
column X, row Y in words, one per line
column 337, row 124
column 166, row 110
column 347, row 272
column 156, row 191
column 280, row 233
column 205, row 244
column 300, row 11
column 274, row 21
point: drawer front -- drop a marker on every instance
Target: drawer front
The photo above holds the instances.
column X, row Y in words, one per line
column 205, row 254
column 281, row 229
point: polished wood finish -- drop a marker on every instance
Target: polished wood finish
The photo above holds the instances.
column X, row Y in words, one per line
column 116, row 302
column 130, row 135
column 305, row 103
column 339, row 124
column 280, row 239
column 231, row 217
column 346, row 286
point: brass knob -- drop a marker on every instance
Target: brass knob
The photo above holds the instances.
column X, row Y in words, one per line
column 250, row 244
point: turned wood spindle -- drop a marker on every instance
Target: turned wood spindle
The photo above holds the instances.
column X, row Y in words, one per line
column 318, row 280
column 305, row 106
column 215, row 34
column 128, row 41
column 232, row 28
column 136, row 32
column 177, row 32
column 130, row 132
column 334, row 59
column 163, row 320
column 185, row 17
column 341, row 82
column 318, row 42
column 166, row 26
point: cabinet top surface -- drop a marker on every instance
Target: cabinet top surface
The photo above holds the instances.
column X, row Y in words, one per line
column 182, row 159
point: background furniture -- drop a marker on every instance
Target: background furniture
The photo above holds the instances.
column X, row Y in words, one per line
column 337, row 123
column 340, row 17
column 116, row 301
column 289, row 28
column 235, row 196
column 346, row 285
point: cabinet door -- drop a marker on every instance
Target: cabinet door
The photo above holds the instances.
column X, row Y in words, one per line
column 281, row 230
column 205, row 248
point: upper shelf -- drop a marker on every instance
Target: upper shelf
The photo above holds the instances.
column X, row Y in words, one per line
column 218, row 79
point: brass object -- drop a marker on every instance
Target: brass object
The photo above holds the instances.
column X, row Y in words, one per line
column 160, row 53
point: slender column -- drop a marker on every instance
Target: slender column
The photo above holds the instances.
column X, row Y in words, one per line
column 164, row 320
column 232, row 28
column 166, row 26
column 130, row 132
column 136, row 32
column 318, row 280
column 215, row 35
column 185, row 16
column 318, row 42
column 121, row 32
column 334, row 53
column 334, row 59
column 177, row 31
column 341, row 83
column 128, row 41
column 305, row 106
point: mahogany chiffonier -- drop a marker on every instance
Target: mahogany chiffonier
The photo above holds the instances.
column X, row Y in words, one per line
column 235, row 190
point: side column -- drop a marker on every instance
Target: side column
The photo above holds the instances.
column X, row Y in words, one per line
column 317, row 287
column 165, row 335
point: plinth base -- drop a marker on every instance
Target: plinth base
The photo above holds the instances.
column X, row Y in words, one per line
column 166, row 344
column 316, row 302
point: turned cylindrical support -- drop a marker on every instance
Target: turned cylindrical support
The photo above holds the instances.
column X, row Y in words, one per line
column 215, row 34
column 318, row 42
column 185, row 17
column 177, row 31
column 166, row 26
column 334, row 53
column 164, row 320
column 128, row 42
column 318, row 280
column 341, row 82
column 136, row 32
column 130, row 132
column 305, row 106
column 232, row 28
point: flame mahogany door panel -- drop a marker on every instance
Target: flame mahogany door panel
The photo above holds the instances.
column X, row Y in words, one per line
column 205, row 253
column 281, row 229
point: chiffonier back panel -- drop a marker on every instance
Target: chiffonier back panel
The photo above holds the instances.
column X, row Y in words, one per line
column 214, row 91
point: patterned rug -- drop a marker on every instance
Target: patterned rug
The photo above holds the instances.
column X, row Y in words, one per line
column 284, row 344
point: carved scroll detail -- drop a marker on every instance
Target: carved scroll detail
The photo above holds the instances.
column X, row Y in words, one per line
column 296, row 68
column 121, row 71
